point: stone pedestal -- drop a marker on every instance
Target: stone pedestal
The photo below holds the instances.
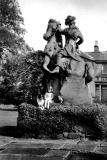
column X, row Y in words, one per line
column 75, row 91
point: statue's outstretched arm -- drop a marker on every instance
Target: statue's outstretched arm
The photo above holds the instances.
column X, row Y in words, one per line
column 45, row 65
column 80, row 38
column 62, row 31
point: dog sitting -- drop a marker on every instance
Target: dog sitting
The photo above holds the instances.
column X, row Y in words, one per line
column 41, row 102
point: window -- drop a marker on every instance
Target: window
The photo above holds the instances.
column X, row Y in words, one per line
column 104, row 71
column 97, row 91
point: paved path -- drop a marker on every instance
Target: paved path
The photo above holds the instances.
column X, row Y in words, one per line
column 32, row 149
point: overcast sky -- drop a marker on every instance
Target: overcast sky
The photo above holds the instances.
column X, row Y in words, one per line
column 91, row 18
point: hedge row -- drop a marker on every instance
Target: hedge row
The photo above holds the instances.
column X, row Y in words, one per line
column 89, row 120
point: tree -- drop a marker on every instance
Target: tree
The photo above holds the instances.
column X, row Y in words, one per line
column 11, row 43
column 29, row 77
column 11, row 25
column 20, row 74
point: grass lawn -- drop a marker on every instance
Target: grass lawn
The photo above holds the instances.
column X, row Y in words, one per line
column 8, row 123
column 8, row 118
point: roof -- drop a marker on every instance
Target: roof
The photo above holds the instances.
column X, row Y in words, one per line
column 87, row 56
column 98, row 56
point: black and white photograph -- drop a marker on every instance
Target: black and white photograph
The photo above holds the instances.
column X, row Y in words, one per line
column 53, row 79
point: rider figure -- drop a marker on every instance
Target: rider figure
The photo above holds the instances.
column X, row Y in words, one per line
column 73, row 37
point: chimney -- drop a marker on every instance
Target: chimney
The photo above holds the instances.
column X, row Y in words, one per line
column 96, row 47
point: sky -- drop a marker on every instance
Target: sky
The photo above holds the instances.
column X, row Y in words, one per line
column 91, row 18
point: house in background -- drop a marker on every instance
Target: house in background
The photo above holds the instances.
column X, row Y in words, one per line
column 101, row 81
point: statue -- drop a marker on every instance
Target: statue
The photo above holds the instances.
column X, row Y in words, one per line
column 67, row 70
column 73, row 37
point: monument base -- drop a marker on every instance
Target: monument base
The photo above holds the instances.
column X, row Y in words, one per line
column 74, row 91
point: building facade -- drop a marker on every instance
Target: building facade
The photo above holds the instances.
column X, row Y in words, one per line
column 101, row 81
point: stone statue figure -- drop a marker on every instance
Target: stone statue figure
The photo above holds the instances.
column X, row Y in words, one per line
column 67, row 69
column 73, row 37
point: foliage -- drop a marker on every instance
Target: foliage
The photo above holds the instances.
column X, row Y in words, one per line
column 21, row 73
column 13, row 48
column 29, row 77
column 61, row 118
column 22, row 78
column 10, row 15
column 8, row 72
column 11, row 22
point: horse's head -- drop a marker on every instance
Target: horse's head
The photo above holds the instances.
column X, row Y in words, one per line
column 53, row 26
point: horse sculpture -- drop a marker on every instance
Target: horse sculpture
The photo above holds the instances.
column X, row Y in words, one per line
column 52, row 47
column 78, row 72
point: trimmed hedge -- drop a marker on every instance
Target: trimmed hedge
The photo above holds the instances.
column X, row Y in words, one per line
column 89, row 120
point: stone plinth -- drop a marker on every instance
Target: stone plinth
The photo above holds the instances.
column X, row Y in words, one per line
column 75, row 91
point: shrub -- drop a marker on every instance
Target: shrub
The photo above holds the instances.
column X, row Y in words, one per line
column 29, row 77
column 62, row 118
column 23, row 78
